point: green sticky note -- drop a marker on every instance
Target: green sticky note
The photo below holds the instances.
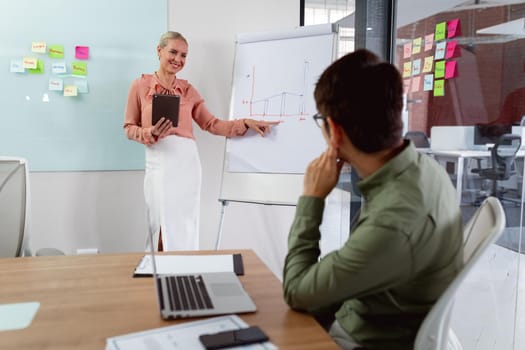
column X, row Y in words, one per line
column 79, row 68
column 17, row 316
column 439, row 69
column 39, row 68
column 439, row 87
column 440, row 33
column 56, row 51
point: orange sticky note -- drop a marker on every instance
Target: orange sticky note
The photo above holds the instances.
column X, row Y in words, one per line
column 29, row 62
column 452, row 49
column 451, row 70
column 453, row 28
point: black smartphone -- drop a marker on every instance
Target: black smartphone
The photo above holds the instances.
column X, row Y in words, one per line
column 235, row 337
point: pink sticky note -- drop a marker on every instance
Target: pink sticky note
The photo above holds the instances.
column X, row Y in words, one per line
column 415, row 83
column 407, row 50
column 452, row 49
column 406, row 85
column 453, row 28
column 429, row 41
column 451, row 70
column 82, row 52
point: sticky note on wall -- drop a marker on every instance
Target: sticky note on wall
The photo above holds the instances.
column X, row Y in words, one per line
column 440, row 33
column 70, row 90
column 451, row 70
column 439, row 87
column 82, row 52
column 38, row 47
column 429, row 41
column 453, row 49
column 79, row 68
column 428, row 82
column 439, row 69
column 56, row 51
column 453, row 28
column 427, row 65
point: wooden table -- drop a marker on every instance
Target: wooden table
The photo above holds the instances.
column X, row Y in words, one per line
column 88, row 298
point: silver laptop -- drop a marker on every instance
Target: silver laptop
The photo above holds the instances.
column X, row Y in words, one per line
column 202, row 294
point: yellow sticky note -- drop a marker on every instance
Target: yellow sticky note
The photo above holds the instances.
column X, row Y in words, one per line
column 38, row 47
column 29, row 62
column 407, row 69
column 70, row 90
column 416, row 45
column 427, row 64
column 439, row 87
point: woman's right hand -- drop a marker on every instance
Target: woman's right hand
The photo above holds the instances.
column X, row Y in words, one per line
column 162, row 128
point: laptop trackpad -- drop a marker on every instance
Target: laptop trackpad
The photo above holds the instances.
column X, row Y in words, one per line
column 225, row 289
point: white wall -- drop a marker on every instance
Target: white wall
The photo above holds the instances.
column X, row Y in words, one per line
column 103, row 210
column 210, row 28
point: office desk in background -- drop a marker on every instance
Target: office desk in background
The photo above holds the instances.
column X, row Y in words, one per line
column 88, row 298
column 460, row 157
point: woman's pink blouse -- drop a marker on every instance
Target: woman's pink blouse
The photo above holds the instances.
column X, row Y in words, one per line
column 137, row 123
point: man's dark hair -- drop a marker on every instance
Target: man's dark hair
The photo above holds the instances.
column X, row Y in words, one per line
column 365, row 97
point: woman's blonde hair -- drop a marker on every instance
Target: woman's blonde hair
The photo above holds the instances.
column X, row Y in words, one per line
column 170, row 35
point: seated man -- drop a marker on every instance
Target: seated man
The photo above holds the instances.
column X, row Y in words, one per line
column 406, row 247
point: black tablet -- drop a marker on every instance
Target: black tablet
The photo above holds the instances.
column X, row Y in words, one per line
column 166, row 106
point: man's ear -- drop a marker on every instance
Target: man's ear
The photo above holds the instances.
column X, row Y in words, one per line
column 336, row 133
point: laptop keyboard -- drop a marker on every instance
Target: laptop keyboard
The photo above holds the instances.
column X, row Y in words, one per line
column 188, row 293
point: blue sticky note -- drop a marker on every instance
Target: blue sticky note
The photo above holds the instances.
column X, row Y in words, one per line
column 17, row 316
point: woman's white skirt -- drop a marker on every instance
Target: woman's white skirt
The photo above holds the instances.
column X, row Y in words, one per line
column 172, row 185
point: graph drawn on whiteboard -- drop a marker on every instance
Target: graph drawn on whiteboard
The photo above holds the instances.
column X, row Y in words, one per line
column 274, row 81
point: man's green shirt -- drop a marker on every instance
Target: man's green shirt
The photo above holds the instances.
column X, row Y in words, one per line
column 404, row 251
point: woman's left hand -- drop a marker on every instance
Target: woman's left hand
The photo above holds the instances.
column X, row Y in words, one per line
column 259, row 126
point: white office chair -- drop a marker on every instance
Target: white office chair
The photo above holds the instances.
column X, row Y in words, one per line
column 482, row 230
column 14, row 210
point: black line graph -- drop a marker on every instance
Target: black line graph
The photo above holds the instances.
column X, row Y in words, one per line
column 282, row 104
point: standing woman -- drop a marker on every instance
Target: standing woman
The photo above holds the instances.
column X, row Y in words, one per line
column 173, row 171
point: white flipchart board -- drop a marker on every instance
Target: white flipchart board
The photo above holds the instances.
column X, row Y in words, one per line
column 274, row 78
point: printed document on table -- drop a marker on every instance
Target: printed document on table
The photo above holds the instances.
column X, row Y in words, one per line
column 182, row 336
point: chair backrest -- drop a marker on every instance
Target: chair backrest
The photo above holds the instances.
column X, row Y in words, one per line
column 14, row 206
column 504, row 154
column 419, row 138
column 480, row 232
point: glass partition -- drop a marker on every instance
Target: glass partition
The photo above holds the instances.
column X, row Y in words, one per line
column 463, row 65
